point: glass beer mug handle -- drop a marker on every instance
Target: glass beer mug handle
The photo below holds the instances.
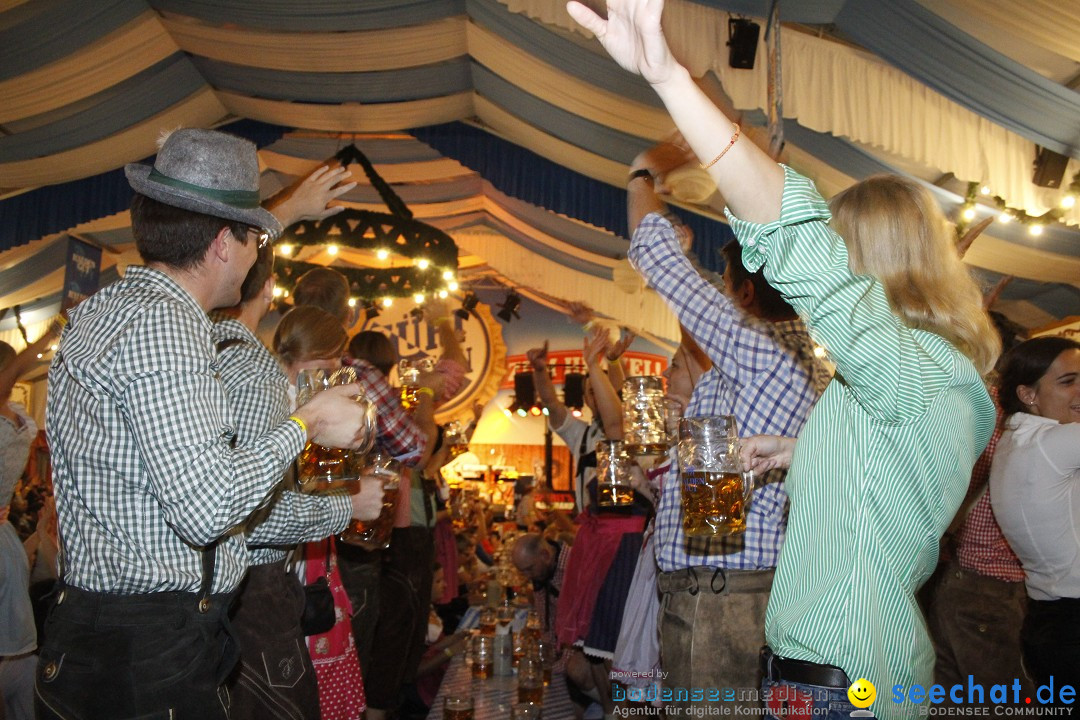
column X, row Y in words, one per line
column 748, row 486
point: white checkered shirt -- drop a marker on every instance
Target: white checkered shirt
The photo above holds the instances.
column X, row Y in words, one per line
column 140, row 433
column 752, row 378
column 259, row 398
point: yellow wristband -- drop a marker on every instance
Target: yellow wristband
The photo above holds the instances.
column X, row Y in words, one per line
column 299, row 422
column 427, row 391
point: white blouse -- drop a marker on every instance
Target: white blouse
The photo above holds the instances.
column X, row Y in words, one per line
column 1035, row 493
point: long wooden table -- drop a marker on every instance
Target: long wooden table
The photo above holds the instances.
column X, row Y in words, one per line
column 494, row 697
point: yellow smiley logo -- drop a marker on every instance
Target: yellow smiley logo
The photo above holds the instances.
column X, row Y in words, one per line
column 862, row 693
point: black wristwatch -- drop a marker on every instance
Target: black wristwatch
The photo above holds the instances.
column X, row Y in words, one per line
column 640, row 173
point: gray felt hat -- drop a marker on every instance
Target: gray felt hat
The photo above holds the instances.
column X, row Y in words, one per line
column 206, row 171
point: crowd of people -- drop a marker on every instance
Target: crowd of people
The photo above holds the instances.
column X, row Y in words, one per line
column 912, row 519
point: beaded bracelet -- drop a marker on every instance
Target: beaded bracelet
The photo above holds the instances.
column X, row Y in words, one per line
column 724, row 151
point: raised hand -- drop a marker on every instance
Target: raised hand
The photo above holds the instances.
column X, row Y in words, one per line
column 579, row 312
column 597, row 345
column 311, row 199
column 631, row 35
column 617, row 348
column 538, row 357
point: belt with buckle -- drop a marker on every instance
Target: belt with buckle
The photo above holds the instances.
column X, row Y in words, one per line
column 777, row 669
column 718, row 581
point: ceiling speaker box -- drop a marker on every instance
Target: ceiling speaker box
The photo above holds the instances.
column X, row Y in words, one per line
column 1049, row 168
column 742, row 43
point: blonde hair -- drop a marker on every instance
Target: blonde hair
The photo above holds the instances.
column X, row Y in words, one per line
column 895, row 232
column 309, row 333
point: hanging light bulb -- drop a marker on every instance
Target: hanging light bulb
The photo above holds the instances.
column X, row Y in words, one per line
column 387, row 301
column 352, row 302
column 452, row 286
column 443, row 294
column 969, row 214
column 278, row 291
column 285, row 250
column 382, row 253
column 985, row 189
column 1005, row 217
column 1035, row 230
column 423, row 263
column 332, row 249
column 448, row 275
column 418, row 297
column 1068, row 201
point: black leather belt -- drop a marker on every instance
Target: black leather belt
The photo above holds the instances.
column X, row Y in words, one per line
column 776, row 668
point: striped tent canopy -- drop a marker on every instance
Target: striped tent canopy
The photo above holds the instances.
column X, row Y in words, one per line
column 503, row 124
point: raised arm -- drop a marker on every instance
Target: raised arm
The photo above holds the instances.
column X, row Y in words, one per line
column 310, row 198
column 608, row 406
column 544, row 387
column 749, row 180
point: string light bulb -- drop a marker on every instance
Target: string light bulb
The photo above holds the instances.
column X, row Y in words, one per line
column 352, row 302
column 1068, row 201
column 448, row 275
column 423, row 263
column 278, row 291
column 332, row 249
column 382, row 253
column 443, row 294
column 985, row 190
column 1005, row 217
column 387, row 302
column 285, row 249
column 418, row 297
column 969, row 213
column 452, row 286
column 1035, row 230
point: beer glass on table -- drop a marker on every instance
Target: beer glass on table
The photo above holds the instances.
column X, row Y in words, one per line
column 531, row 679
column 483, row 656
column 320, row 466
column 613, row 474
column 457, row 707
column 375, row 534
column 715, row 488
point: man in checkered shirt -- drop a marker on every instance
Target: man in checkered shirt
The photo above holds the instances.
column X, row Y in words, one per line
column 150, row 490
column 715, row 590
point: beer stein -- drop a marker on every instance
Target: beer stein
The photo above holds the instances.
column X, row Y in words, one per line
column 320, row 466
column 644, row 432
column 375, row 534
column 715, row 489
column 458, row 707
column 531, row 679
column 613, row 474
column 454, row 438
column 409, row 377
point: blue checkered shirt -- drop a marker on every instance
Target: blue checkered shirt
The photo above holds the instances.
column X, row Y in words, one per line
column 258, row 394
column 140, row 433
column 752, row 378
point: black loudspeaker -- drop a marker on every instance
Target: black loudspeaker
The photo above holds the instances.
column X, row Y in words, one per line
column 524, row 390
column 742, row 43
column 574, row 390
column 1049, row 168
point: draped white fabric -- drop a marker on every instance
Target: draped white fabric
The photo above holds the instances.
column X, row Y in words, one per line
column 1046, row 23
column 833, row 88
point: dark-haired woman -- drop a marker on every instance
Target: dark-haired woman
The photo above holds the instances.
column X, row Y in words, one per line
column 1035, row 490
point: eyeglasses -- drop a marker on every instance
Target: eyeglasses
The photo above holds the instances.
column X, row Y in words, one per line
column 261, row 237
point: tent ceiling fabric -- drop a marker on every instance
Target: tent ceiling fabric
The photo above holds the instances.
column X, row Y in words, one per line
column 87, row 87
